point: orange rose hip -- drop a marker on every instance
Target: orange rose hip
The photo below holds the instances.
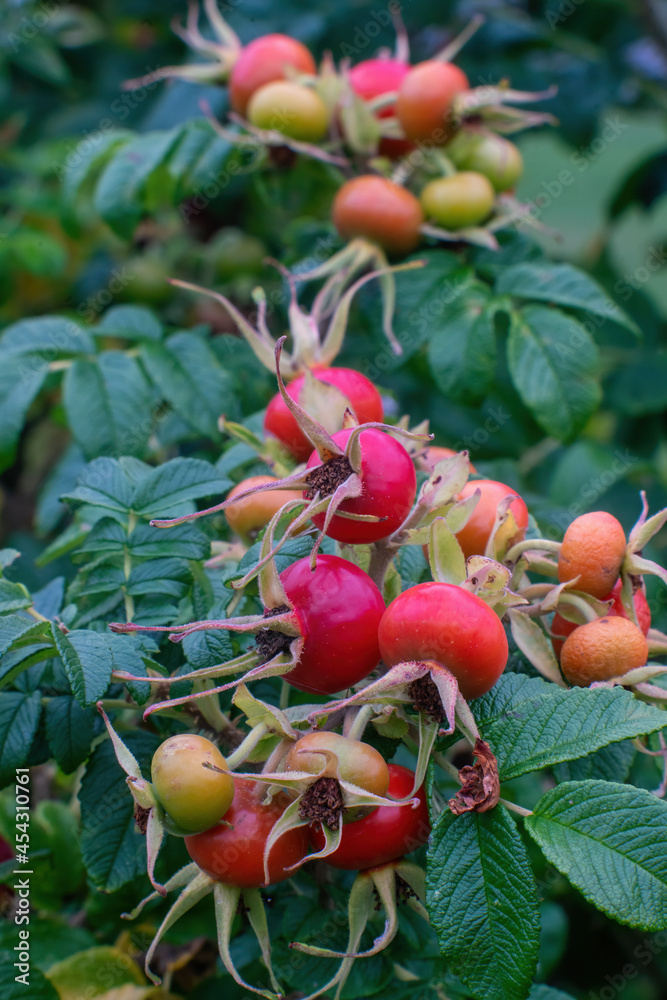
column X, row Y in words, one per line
column 606, row 648
column 592, row 549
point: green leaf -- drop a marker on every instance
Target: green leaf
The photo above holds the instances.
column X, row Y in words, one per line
column 48, row 337
column 87, row 662
column 207, row 648
column 191, row 379
column 159, row 576
column 19, row 717
column 7, row 557
column 126, row 655
column 120, row 193
column 564, row 285
column 553, row 362
column 19, row 385
column 610, row 841
column 71, row 538
column 130, row 323
column 79, row 166
column 175, row 483
column 114, row 853
column 487, row 915
column 611, row 763
column 11, row 989
column 19, row 630
column 70, row 730
column 13, row 597
column 531, row 724
column 37, row 252
column 462, row 350
column 16, row 661
column 104, row 483
column 106, row 536
column 109, row 405
column 198, row 158
column 183, row 541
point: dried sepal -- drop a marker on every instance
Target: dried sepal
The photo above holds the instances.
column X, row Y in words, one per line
column 480, row 783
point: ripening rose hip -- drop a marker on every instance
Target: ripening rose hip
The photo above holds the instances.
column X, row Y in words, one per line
column 475, row 534
column 386, row 833
column 339, row 610
column 359, row 763
column 425, row 100
column 603, row 649
column 389, row 486
column 364, row 399
column 378, row 210
column 193, row 796
column 233, row 854
column 442, row 622
column 262, row 61
column 593, row 549
column 561, row 627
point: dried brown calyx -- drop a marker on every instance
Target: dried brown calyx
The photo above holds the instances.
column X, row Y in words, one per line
column 141, row 815
column 270, row 643
column 426, row 698
column 323, row 802
column 326, row 478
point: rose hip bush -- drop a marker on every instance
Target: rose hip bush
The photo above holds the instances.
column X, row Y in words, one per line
column 311, row 704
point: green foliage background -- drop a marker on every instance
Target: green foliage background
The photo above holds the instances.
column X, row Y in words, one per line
column 106, row 372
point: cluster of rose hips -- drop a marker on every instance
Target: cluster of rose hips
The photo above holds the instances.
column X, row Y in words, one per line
column 338, row 626
column 406, row 667
column 394, row 128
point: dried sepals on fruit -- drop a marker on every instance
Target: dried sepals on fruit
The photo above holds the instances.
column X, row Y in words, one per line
column 319, row 631
column 334, row 779
column 233, row 874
